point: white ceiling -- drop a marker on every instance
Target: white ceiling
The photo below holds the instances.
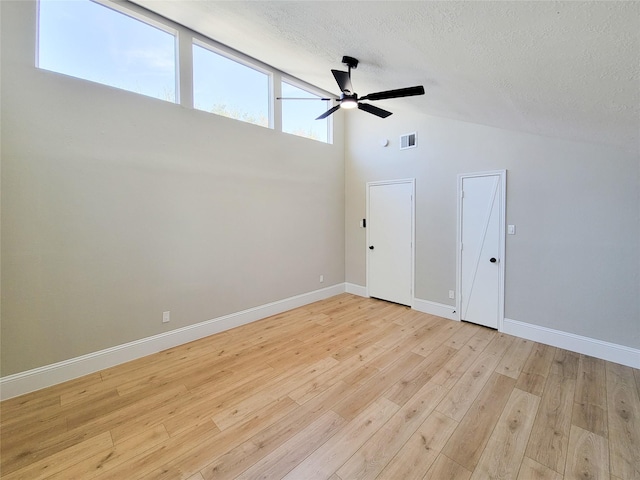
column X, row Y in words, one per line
column 564, row 69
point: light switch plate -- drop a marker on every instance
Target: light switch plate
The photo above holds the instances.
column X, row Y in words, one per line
column 511, row 229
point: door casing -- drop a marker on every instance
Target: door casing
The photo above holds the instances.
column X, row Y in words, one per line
column 412, row 182
column 502, row 187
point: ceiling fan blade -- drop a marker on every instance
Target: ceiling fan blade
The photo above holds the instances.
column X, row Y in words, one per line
column 328, row 112
column 375, row 110
column 400, row 92
column 344, row 81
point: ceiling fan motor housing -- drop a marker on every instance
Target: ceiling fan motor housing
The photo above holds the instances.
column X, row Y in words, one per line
column 350, row 61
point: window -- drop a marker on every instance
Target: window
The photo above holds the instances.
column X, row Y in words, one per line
column 299, row 116
column 226, row 87
column 90, row 41
column 121, row 45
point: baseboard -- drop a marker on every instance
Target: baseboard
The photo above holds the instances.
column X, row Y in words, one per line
column 433, row 308
column 42, row 377
column 576, row 343
column 355, row 289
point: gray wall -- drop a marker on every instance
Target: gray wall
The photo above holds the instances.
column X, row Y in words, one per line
column 574, row 264
column 117, row 207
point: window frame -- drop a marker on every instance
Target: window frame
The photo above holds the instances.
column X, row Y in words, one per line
column 294, row 82
column 130, row 10
column 212, row 46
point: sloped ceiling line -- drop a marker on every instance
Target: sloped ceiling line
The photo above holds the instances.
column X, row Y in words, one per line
column 560, row 69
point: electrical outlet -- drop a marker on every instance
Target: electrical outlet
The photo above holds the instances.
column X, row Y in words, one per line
column 166, row 316
column 321, row 278
column 452, row 294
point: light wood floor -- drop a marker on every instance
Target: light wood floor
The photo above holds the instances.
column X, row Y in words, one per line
column 347, row 388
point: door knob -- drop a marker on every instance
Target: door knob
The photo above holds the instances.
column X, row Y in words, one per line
column 371, row 247
column 493, row 260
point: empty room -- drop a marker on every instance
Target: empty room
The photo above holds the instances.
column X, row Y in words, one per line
column 319, row 240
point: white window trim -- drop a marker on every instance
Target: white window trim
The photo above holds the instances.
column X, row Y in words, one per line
column 130, row 10
column 294, row 82
column 134, row 11
column 243, row 60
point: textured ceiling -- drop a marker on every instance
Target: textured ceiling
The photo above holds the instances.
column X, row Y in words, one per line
column 562, row 69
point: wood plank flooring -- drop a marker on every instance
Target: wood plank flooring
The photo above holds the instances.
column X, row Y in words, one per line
column 343, row 389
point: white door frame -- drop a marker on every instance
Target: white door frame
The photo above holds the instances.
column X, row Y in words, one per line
column 502, row 174
column 411, row 181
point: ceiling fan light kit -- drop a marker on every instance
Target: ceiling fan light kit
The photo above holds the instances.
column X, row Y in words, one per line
column 348, row 102
column 349, row 99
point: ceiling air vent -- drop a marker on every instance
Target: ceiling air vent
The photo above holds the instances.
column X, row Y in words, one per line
column 408, row 141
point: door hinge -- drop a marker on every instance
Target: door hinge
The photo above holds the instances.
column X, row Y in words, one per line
column 461, row 193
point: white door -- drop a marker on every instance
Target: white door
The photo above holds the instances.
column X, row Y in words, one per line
column 481, row 235
column 390, row 241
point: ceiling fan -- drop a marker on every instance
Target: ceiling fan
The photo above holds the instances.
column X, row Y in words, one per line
column 349, row 99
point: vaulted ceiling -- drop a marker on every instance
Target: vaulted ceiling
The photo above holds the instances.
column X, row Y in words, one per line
column 563, row 69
